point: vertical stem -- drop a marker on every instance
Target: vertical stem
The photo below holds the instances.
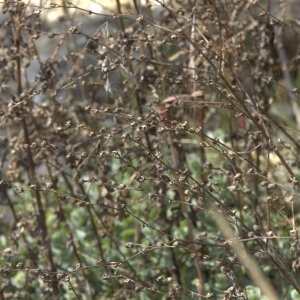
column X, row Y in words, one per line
column 199, row 113
column 121, row 20
column 138, row 102
column 178, row 165
column 32, row 174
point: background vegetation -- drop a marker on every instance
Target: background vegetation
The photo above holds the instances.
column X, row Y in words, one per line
column 150, row 152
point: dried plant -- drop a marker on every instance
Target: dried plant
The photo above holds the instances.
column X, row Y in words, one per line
column 150, row 152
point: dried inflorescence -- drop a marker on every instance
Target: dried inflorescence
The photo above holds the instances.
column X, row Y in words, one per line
column 124, row 135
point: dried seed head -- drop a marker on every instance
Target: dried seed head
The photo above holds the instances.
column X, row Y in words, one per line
column 73, row 29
